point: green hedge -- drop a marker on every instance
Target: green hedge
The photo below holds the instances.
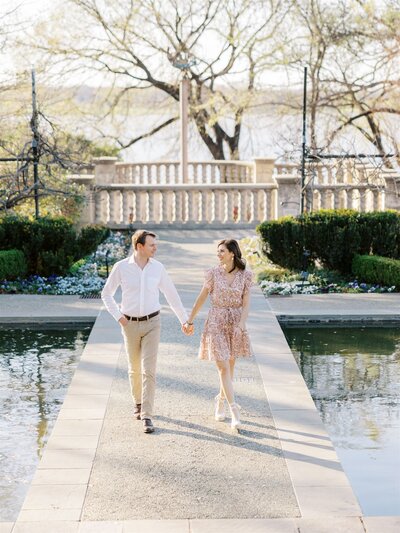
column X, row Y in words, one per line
column 50, row 245
column 378, row 270
column 333, row 237
column 12, row 264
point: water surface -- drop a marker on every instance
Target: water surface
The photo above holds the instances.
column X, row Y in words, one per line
column 354, row 378
column 36, row 367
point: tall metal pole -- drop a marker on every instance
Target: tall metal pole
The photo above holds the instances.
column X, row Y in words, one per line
column 35, row 145
column 184, row 97
column 304, row 144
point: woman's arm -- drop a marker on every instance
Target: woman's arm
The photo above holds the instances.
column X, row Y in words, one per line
column 245, row 310
column 198, row 304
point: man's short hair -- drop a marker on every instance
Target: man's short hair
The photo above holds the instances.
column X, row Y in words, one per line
column 139, row 237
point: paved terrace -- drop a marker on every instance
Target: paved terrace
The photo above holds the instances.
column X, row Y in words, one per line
column 100, row 473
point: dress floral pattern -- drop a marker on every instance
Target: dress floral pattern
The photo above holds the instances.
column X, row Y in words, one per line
column 221, row 339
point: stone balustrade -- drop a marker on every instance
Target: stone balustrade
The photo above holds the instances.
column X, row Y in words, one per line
column 227, row 193
column 121, row 205
column 167, row 172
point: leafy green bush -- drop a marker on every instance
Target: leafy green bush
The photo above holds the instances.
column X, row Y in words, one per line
column 50, row 245
column 90, row 237
column 376, row 269
column 332, row 237
column 12, row 264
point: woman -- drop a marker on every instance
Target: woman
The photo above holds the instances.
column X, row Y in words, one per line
column 225, row 338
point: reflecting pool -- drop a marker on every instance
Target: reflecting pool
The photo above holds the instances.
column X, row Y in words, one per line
column 354, row 378
column 36, row 367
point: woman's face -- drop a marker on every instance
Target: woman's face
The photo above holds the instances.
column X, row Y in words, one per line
column 225, row 257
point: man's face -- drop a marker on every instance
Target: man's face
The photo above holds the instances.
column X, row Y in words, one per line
column 149, row 248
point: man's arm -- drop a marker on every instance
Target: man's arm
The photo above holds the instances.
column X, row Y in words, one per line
column 107, row 294
column 172, row 296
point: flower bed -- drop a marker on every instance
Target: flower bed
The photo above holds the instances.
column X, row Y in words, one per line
column 88, row 275
column 275, row 280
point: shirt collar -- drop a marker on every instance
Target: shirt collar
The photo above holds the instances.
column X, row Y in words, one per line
column 132, row 259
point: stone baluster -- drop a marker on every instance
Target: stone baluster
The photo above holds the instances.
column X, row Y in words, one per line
column 309, row 206
column 214, row 174
column 349, row 198
column 273, row 204
column 242, row 206
column 151, row 218
column 363, row 200
column 324, row 198
column 256, row 206
column 138, row 206
column 203, row 200
column 375, row 200
column 230, row 204
column 114, row 207
column 336, row 199
column 178, row 206
column 100, row 201
column 126, row 207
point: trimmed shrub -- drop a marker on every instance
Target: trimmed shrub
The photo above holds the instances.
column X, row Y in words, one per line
column 12, row 264
column 50, row 245
column 377, row 270
column 333, row 237
column 90, row 238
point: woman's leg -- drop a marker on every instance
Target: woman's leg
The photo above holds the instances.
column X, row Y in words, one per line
column 232, row 370
column 226, row 386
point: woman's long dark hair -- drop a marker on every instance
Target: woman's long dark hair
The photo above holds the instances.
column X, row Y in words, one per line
column 233, row 247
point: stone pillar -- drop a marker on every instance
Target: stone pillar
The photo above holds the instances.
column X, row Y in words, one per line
column 105, row 171
column 289, row 187
column 392, row 193
column 88, row 207
column 264, row 169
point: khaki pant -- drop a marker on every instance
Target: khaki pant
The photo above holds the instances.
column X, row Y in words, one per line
column 141, row 343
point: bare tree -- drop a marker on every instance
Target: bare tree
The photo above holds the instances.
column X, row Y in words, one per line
column 226, row 44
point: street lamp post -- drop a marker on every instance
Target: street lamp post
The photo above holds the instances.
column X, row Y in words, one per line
column 183, row 61
column 183, row 98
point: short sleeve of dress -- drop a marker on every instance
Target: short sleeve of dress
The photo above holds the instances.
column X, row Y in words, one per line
column 248, row 280
column 209, row 280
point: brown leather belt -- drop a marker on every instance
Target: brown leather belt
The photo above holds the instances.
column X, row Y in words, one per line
column 141, row 318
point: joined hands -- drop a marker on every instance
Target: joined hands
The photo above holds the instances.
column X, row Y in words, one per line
column 188, row 329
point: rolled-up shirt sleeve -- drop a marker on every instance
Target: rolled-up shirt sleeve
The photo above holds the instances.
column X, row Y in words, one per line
column 109, row 289
column 171, row 294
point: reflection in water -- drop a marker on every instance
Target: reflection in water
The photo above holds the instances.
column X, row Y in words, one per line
column 36, row 367
column 354, row 378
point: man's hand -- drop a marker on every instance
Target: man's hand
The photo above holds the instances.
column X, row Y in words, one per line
column 123, row 321
column 188, row 329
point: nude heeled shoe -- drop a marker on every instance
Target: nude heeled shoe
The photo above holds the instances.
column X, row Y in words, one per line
column 235, row 414
column 219, row 408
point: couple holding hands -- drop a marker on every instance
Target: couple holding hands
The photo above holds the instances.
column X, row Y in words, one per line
column 224, row 337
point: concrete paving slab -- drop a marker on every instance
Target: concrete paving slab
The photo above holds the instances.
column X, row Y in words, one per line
column 320, row 501
column 72, row 443
column 331, row 525
column 382, row 524
column 6, row 527
column 159, row 526
column 77, row 427
column 46, row 527
column 68, row 458
column 61, row 476
column 101, row 527
column 244, row 526
column 53, row 497
column 86, row 401
column 48, row 516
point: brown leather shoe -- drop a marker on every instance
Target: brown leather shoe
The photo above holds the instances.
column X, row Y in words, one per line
column 148, row 425
column 137, row 410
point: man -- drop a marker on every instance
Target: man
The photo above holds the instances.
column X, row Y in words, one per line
column 141, row 278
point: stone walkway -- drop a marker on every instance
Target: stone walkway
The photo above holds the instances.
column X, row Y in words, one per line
column 100, row 473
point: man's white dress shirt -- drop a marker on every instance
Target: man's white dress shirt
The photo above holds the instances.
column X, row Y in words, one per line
column 140, row 290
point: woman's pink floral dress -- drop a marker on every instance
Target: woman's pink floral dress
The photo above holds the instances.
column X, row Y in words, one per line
column 221, row 339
